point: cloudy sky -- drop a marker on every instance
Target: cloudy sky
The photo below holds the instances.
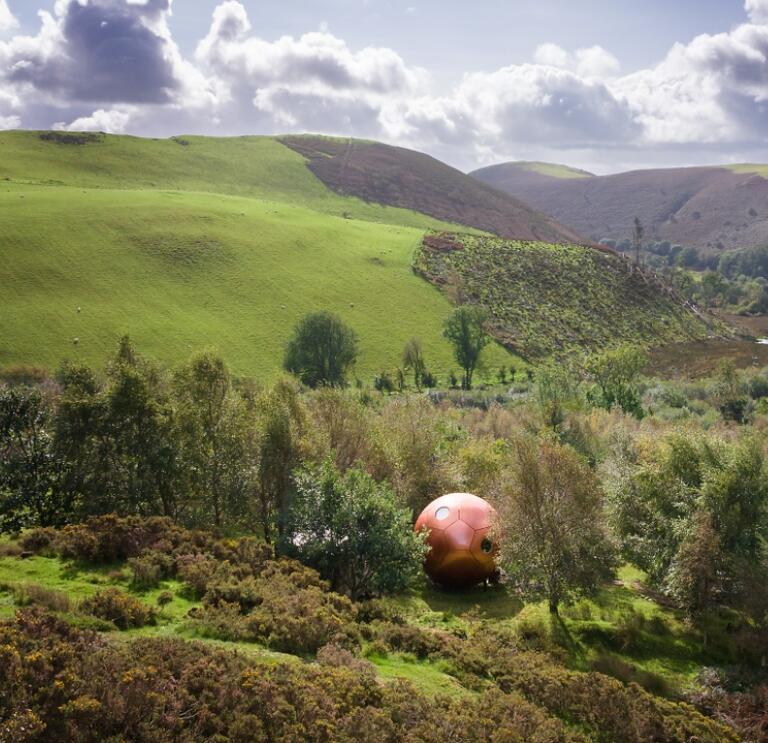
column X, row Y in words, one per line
column 602, row 84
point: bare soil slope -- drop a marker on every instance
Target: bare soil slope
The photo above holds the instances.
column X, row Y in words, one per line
column 710, row 208
column 403, row 178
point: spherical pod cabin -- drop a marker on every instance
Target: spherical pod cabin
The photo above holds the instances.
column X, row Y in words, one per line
column 461, row 549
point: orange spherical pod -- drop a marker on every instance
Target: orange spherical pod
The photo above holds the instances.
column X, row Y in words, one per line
column 461, row 550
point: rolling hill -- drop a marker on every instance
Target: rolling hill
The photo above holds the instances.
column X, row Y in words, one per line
column 199, row 242
column 710, row 208
column 546, row 299
column 403, row 178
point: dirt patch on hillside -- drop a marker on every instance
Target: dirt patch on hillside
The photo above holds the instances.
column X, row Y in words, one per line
column 694, row 359
column 397, row 177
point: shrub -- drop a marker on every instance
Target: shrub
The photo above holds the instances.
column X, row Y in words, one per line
column 164, row 598
column 49, row 598
column 37, row 540
column 118, row 607
column 150, row 569
column 351, row 530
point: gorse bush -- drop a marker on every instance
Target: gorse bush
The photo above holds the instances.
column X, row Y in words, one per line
column 118, row 607
column 67, row 685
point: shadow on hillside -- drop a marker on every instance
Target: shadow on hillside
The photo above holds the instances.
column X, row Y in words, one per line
column 494, row 602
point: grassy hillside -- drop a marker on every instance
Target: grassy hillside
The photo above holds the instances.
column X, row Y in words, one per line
column 199, row 242
column 180, row 271
column 760, row 169
column 558, row 299
column 710, row 208
column 553, row 170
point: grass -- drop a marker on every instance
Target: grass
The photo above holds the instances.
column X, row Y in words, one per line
column 180, row 271
column 425, row 676
column 553, row 170
column 758, row 168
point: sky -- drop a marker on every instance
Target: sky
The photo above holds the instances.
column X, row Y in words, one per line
column 605, row 85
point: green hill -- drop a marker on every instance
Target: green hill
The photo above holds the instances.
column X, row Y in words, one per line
column 553, row 170
column 129, row 231
column 548, row 299
column 196, row 242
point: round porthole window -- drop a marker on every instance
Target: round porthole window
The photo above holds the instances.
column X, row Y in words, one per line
column 486, row 545
column 442, row 513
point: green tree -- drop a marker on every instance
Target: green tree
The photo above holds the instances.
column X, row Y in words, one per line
column 692, row 514
column 281, row 420
column 465, row 329
column 137, row 441
column 615, row 374
column 351, row 530
column 321, row 351
column 29, row 471
column 554, row 539
column 212, row 438
column 413, row 361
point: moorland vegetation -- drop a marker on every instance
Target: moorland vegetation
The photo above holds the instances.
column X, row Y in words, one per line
column 193, row 554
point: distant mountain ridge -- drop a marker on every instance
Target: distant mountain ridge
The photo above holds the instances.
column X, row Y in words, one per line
column 710, row 208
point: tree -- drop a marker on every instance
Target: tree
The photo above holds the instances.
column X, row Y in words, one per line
column 137, row 438
column 321, row 351
column 210, row 424
column 281, row 422
column 413, row 360
column 692, row 514
column 466, row 332
column 29, row 471
column 615, row 374
column 637, row 238
column 351, row 530
column 554, row 541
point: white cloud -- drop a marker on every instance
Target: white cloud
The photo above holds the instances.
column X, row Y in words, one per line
column 7, row 20
column 112, row 121
column 591, row 62
column 757, row 10
column 114, row 65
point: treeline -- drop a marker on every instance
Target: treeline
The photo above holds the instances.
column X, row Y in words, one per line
column 736, row 281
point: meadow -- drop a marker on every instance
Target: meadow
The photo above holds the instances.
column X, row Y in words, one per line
column 116, row 251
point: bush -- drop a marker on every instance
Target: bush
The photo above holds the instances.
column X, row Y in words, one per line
column 33, row 594
column 118, row 607
column 286, row 607
column 148, row 570
column 164, row 598
column 351, row 530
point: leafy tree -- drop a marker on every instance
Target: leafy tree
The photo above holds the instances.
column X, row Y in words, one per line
column 351, row 530
column 281, row 423
column 692, row 514
column 137, row 443
column 321, row 351
column 465, row 329
column 557, row 391
column 210, row 425
column 29, row 471
column 729, row 393
column 615, row 374
column 413, row 360
column 554, row 540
